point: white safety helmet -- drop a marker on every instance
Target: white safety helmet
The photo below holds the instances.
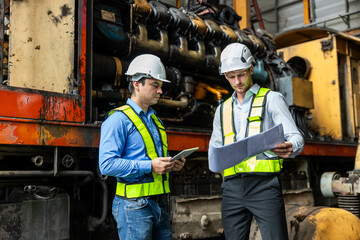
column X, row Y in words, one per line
column 235, row 56
column 146, row 65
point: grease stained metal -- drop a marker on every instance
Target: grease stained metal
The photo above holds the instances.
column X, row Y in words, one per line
column 65, row 11
column 10, row 222
column 54, row 131
column 59, row 109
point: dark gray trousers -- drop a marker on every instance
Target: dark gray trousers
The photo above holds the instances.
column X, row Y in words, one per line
column 253, row 195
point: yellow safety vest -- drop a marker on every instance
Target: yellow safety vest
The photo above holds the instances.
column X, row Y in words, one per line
column 160, row 183
column 254, row 126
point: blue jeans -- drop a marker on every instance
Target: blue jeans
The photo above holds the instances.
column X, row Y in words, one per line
column 141, row 219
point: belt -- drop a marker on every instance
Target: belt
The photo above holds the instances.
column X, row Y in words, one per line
column 156, row 198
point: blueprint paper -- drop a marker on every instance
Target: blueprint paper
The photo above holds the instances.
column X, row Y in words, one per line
column 221, row 158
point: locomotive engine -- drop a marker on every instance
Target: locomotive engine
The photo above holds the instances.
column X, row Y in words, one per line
column 188, row 42
column 63, row 68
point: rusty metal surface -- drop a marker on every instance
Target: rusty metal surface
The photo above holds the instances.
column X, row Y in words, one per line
column 329, row 149
column 23, row 103
column 301, row 197
column 29, row 105
column 49, row 134
column 82, row 48
column 293, row 199
column 322, row 223
column 196, row 218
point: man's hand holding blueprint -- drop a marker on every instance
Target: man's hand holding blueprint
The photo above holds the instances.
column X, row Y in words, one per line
column 221, row 158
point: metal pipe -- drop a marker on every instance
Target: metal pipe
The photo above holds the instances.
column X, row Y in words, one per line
column 181, row 104
column 51, row 173
column 95, row 222
column 258, row 14
column 38, row 160
column 108, row 69
column 120, row 95
column 312, row 11
column 56, row 161
column 85, row 181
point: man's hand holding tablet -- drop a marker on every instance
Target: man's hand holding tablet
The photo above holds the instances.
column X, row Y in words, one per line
column 184, row 153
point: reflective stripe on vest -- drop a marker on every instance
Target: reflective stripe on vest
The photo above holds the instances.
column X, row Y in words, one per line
column 160, row 185
column 254, row 126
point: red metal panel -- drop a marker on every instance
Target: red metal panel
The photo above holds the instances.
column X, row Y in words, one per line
column 20, row 104
column 47, row 134
column 329, row 149
column 181, row 140
column 41, row 105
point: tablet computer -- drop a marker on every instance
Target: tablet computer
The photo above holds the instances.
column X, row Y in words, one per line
column 184, row 153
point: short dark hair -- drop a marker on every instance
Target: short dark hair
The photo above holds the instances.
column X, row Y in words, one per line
column 131, row 87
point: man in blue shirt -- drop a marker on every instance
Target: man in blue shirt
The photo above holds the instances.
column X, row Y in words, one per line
column 252, row 188
column 133, row 148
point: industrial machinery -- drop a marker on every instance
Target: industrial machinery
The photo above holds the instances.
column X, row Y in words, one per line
column 62, row 70
column 330, row 60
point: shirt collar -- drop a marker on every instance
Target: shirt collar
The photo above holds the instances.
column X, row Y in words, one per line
column 138, row 109
column 252, row 91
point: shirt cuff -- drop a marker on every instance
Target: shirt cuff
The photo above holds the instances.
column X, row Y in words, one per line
column 297, row 148
column 145, row 166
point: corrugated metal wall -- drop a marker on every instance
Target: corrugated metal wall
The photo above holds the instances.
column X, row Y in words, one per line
column 283, row 15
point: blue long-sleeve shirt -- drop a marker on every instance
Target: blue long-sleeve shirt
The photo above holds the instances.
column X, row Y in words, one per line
column 276, row 112
column 122, row 152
